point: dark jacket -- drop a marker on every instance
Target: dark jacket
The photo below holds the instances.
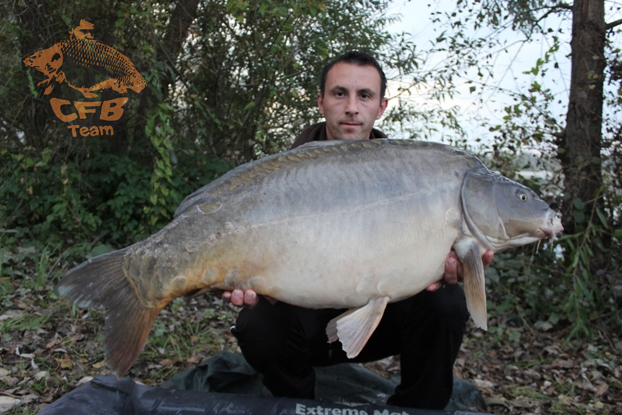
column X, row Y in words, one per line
column 317, row 132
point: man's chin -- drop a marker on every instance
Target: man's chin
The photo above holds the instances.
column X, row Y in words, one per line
column 347, row 133
column 353, row 135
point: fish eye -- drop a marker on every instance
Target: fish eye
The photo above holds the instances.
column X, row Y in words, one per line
column 522, row 197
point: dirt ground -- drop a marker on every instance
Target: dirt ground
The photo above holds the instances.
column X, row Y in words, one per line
column 48, row 347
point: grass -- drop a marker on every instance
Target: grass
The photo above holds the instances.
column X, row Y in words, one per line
column 23, row 323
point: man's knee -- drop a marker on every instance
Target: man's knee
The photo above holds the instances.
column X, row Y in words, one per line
column 260, row 353
column 259, row 334
column 279, row 331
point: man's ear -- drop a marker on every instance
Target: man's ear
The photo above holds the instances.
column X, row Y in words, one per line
column 383, row 106
column 320, row 103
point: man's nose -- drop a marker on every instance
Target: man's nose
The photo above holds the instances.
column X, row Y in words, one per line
column 352, row 105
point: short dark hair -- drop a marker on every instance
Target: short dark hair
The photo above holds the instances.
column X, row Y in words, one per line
column 356, row 58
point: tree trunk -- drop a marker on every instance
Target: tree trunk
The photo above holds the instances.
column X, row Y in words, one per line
column 579, row 149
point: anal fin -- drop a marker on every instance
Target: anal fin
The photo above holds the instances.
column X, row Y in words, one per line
column 354, row 327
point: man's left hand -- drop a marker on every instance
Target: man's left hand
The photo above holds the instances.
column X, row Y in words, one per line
column 454, row 271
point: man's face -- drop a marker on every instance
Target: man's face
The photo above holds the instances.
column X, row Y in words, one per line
column 351, row 102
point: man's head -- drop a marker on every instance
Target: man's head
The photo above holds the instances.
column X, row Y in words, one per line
column 351, row 96
column 355, row 58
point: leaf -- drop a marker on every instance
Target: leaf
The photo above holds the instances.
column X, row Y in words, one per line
column 101, row 249
column 543, row 325
column 194, row 359
column 563, row 363
column 166, row 362
column 64, row 362
column 602, row 389
column 601, row 216
column 99, row 365
column 585, row 384
column 494, row 401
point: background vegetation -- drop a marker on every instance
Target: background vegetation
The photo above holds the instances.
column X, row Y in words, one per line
column 229, row 81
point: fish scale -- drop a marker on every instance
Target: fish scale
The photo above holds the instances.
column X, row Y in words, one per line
column 353, row 224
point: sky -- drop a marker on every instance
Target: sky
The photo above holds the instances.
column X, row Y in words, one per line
column 509, row 65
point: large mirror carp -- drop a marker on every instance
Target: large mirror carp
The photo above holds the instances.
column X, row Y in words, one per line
column 338, row 224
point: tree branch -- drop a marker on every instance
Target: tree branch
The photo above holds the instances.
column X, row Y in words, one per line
column 613, row 24
column 564, row 6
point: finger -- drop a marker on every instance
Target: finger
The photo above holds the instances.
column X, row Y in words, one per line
column 488, row 257
column 451, row 270
column 434, row 286
column 226, row 296
column 250, row 298
column 237, row 297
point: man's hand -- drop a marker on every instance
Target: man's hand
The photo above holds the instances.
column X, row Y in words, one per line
column 454, row 270
column 241, row 298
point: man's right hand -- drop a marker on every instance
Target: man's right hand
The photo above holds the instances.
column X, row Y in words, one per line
column 241, row 298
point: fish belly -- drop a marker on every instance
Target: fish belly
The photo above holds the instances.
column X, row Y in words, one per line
column 346, row 261
column 335, row 258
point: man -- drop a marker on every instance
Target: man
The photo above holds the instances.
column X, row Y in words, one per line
column 284, row 342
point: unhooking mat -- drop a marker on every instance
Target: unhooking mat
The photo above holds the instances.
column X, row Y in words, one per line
column 225, row 384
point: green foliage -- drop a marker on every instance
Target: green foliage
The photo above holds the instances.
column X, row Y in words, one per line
column 595, row 293
column 250, row 82
column 521, row 287
column 162, row 199
column 23, row 324
column 108, row 196
column 575, row 285
column 544, row 291
column 227, row 82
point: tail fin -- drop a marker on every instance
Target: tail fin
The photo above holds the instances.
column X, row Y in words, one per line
column 101, row 283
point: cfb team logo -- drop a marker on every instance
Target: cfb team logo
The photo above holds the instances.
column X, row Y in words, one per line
column 81, row 51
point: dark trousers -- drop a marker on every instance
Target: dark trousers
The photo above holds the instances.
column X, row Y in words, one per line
column 284, row 342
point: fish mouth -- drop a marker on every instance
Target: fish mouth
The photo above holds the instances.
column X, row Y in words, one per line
column 551, row 226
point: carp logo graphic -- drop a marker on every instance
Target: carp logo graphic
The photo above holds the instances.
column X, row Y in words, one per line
column 82, row 51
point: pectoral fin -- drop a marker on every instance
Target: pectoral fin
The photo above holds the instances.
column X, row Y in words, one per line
column 354, row 327
column 475, row 285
